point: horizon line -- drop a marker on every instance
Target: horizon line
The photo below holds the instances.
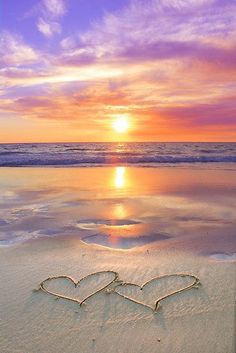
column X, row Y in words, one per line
column 120, row 142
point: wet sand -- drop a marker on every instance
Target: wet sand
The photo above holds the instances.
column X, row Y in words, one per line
column 141, row 223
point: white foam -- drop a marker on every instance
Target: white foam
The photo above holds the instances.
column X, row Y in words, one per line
column 223, row 257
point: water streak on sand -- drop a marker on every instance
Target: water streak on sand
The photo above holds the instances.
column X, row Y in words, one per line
column 89, row 224
column 223, row 257
column 124, row 241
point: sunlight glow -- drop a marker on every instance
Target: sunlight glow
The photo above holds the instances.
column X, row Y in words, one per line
column 120, row 124
column 119, row 211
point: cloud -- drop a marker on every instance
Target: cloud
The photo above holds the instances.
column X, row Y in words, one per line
column 14, row 51
column 154, row 113
column 19, row 72
column 48, row 28
column 105, row 100
column 215, row 113
column 84, row 103
column 164, row 29
column 170, row 64
column 56, row 8
column 67, row 43
column 50, row 12
column 167, row 50
column 78, row 56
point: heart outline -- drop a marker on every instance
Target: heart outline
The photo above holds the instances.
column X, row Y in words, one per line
column 195, row 284
column 76, row 284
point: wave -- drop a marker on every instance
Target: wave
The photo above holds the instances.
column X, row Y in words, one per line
column 99, row 154
column 6, row 153
column 42, row 161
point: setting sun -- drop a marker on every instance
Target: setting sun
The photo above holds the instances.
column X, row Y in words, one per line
column 120, row 124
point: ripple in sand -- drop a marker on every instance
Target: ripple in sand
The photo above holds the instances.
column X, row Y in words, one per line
column 5, row 243
column 3, row 222
column 90, row 224
column 124, row 242
column 223, row 257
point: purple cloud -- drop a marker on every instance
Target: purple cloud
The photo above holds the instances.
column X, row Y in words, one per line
column 13, row 50
column 208, row 114
column 168, row 59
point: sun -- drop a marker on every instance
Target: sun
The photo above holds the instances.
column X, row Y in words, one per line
column 120, row 124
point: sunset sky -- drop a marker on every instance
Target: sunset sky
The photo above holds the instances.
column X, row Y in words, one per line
column 71, row 68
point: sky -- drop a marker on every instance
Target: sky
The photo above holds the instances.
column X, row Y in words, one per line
column 70, row 68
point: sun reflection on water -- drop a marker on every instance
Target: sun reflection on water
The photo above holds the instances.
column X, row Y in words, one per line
column 119, row 211
column 120, row 177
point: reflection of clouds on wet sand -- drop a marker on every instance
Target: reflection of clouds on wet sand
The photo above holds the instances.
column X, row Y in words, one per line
column 3, row 222
column 119, row 233
column 223, row 257
column 113, row 240
column 18, row 237
column 7, row 196
column 122, row 207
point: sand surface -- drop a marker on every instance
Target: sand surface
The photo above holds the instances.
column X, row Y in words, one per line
column 164, row 225
column 199, row 320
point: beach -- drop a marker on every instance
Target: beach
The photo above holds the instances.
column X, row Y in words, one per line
column 142, row 223
column 118, row 176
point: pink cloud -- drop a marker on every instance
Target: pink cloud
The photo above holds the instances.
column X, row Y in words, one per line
column 14, row 51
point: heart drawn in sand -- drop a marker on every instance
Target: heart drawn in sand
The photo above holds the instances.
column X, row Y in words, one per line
column 139, row 294
column 76, row 284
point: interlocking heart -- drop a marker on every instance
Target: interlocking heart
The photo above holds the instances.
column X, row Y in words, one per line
column 129, row 291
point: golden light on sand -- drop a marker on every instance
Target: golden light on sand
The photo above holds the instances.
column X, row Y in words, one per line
column 120, row 123
column 120, row 177
column 119, row 211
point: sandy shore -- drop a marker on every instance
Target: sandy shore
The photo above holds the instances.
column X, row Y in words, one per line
column 168, row 222
column 199, row 320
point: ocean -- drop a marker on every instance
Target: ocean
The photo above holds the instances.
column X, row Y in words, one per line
column 103, row 154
